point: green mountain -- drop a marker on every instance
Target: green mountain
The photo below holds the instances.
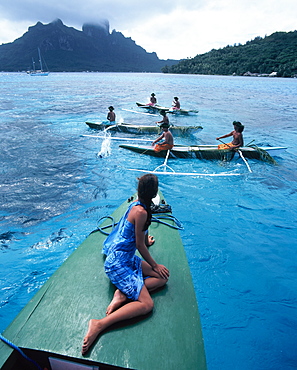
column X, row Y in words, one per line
column 261, row 56
column 67, row 49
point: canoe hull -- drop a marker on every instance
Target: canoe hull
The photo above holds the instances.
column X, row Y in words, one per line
column 55, row 321
column 210, row 152
column 158, row 108
column 141, row 129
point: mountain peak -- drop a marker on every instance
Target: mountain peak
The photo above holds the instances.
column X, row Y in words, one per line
column 57, row 22
column 93, row 29
column 67, row 49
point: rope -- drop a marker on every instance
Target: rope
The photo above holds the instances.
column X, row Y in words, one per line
column 157, row 219
column 168, row 217
column 99, row 228
column 8, row 342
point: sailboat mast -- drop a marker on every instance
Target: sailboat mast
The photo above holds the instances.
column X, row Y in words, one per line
column 38, row 72
column 40, row 62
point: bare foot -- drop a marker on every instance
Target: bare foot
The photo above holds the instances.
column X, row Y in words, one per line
column 118, row 300
column 94, row 329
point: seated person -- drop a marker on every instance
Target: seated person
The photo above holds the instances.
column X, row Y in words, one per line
column 175, row 104
column 237, row 141
column 111, row 117
column 167, row 144
column 153, row 100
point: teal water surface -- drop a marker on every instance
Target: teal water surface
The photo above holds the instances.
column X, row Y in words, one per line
column 239, row 231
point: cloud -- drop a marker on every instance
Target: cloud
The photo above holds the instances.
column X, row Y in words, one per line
column 212, row 26
column 173, row 29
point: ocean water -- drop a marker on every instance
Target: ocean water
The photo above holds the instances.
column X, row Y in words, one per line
column 239, row 231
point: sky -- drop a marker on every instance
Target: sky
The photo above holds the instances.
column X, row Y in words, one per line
column 174, row 29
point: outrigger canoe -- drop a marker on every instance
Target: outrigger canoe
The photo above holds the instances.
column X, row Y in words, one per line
column 141, row 129
column 159, row 108
column 206, row 151
column 51, row 327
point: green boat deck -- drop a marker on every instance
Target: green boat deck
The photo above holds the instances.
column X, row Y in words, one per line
column 55, row 320
column 143, row 129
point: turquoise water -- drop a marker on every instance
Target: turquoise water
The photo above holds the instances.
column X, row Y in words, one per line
column 239, row 231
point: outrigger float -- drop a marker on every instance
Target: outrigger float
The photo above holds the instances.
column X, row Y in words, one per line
column 207, row 151
column 143, row 129
column 48, row 332
column 159, row 108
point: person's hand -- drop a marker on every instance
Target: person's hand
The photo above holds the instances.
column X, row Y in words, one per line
column 162, row 271
column 151, row 240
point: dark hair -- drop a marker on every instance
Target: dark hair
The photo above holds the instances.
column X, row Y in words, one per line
column 238, row 125
column 147, row 190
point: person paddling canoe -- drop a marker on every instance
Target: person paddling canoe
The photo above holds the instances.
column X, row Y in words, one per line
column 168, row 142
column 165, row 119
column 237, row 137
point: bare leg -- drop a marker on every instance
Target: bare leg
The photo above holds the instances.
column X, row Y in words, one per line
column 118, row 300
column 154, row 281
column 142, row 306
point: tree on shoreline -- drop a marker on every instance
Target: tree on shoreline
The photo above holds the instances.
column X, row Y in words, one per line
column 261, row 56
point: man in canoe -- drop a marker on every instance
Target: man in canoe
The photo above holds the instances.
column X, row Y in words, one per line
column 153, row 100
column 164, row 119
column 133, row 277
column 167, row 144
column 111, row 117
column 237, row 137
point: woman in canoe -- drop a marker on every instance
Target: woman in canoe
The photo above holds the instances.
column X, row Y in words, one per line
column 134, row 278
column 175, row 104
column 237, row 137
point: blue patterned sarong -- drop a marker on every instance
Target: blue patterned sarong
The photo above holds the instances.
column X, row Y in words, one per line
column 122, row 266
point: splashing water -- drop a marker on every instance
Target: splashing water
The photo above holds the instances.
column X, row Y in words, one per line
column 105, row 146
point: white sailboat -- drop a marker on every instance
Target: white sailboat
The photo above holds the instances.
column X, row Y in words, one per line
column 38, row 72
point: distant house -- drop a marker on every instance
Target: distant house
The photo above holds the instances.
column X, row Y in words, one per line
column 248, row 73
